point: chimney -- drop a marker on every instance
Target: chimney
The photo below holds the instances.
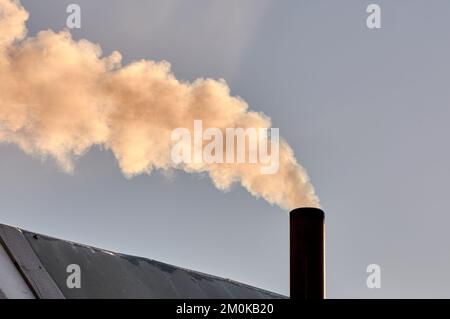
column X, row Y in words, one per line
column 307, row 259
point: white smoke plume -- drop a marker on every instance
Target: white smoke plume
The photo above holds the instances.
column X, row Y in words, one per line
column 59, row 97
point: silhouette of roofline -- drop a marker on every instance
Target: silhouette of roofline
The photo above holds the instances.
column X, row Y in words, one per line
column 42, row 263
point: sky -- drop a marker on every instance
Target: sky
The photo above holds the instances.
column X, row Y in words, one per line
column 366, row 112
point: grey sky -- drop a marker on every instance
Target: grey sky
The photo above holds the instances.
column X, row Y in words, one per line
column 366, row 112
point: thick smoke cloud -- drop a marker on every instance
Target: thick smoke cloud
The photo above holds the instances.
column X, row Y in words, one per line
column 59, row 97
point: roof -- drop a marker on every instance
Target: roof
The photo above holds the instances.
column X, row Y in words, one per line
column 36, row 266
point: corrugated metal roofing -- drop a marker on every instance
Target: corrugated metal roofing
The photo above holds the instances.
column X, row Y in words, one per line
column 110, row 275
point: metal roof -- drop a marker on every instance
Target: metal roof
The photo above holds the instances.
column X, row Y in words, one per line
column 42, row 263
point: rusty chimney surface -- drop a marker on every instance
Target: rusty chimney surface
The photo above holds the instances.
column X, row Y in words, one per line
column 307, row 253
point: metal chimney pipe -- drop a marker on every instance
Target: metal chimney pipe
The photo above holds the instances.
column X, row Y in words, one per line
column 307, row 259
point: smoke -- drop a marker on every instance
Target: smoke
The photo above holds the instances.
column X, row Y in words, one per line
column 59, row 97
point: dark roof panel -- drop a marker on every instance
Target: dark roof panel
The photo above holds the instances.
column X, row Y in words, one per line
column 106, row 274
